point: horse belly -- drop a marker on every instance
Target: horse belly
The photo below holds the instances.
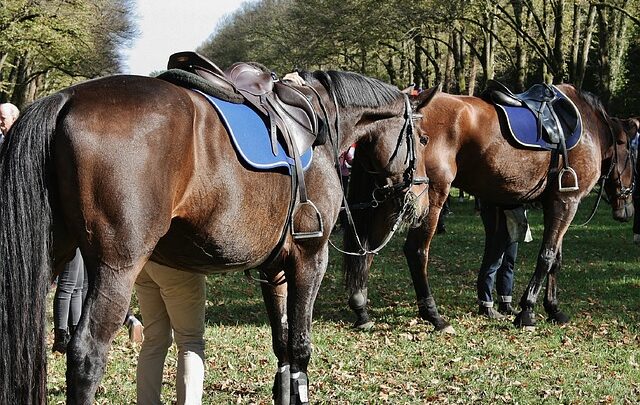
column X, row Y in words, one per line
column 182, row 248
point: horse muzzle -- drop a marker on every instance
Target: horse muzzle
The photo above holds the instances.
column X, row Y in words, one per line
column 624, row 211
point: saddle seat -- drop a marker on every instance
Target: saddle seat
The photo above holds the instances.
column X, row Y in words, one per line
column 287, row 108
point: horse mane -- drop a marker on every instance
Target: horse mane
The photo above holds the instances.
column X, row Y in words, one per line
column 355, row 90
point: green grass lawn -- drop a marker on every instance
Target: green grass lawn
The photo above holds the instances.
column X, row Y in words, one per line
column 594, row 359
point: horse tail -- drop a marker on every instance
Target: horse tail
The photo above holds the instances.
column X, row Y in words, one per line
column 356, row 268
column 25, row 251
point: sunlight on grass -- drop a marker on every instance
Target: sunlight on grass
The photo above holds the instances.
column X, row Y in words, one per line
column 594, row 359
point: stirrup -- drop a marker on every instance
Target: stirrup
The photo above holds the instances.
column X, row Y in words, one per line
column 306, row 235
column 574, row 177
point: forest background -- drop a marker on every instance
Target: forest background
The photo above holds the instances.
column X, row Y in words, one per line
column 48, row 45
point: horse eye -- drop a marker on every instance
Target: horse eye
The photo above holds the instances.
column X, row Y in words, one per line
column 424, row 140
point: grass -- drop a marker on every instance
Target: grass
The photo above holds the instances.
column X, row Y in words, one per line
column 594, row 359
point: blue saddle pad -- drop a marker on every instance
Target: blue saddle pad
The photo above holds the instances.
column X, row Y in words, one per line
column 250, row 137
column 523, row 125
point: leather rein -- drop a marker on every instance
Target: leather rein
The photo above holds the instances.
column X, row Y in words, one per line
column 389, row 191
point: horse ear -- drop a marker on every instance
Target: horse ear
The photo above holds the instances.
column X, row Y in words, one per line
column 425, row 97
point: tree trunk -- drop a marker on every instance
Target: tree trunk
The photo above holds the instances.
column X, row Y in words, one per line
column 575, row 43
column 417, row 62
column 558, row 50
column 605, row 62
column 521, row 56
column 583, row 56
column 472, row 76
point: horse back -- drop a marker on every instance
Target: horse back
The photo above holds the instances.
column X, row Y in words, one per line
column 468, row 148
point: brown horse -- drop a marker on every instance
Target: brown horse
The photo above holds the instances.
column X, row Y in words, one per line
column 127, row 167
column 467, row 149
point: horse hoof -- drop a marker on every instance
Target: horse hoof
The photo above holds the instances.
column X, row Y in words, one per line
column 363, row 326
column 447, row 330
column 525, row 320
column 529, row 328
column 559, row 317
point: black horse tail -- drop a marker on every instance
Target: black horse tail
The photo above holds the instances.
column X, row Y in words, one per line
column 356, row 268
column 25, row 247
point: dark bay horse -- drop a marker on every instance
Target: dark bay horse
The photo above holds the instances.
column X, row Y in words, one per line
column 127, row 167
column 466, row 148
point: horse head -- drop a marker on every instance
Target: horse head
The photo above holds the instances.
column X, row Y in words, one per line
column 378, row 117
column 620, row 181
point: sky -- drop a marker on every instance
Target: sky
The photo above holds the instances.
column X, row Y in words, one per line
column 169, row 26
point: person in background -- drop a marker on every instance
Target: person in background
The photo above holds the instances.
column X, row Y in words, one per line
column 172, row 304
column 8, row 115
column 345, row 160
column 71, row 290
column 503, row 227
column 636, row 191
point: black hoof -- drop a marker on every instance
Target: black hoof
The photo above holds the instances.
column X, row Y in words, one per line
column 558, row 317
column 525, row 319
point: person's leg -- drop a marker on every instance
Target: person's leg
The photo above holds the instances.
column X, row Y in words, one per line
column 184, row 296
column 157, row 340
column 79, row 292
column 504, row 279
column 491, row 259
column 62, row 303
column 636, row 215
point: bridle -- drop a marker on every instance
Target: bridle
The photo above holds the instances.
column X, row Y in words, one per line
column 401, row 190
column 624, row 192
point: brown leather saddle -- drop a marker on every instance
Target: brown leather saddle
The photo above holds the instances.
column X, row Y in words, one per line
column 288, row 110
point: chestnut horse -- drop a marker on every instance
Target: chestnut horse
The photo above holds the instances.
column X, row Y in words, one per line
column 127, row 167
column 467, row 149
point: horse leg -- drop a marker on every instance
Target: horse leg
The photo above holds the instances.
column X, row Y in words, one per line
column 104, row 309
column 358, row 296
column 416, row 251
column 275, row 299
column 557, row 217
column 551, row 297
column 303, row 281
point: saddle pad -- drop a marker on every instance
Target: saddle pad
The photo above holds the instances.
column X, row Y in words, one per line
column 250, row 137
column 523, row 126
